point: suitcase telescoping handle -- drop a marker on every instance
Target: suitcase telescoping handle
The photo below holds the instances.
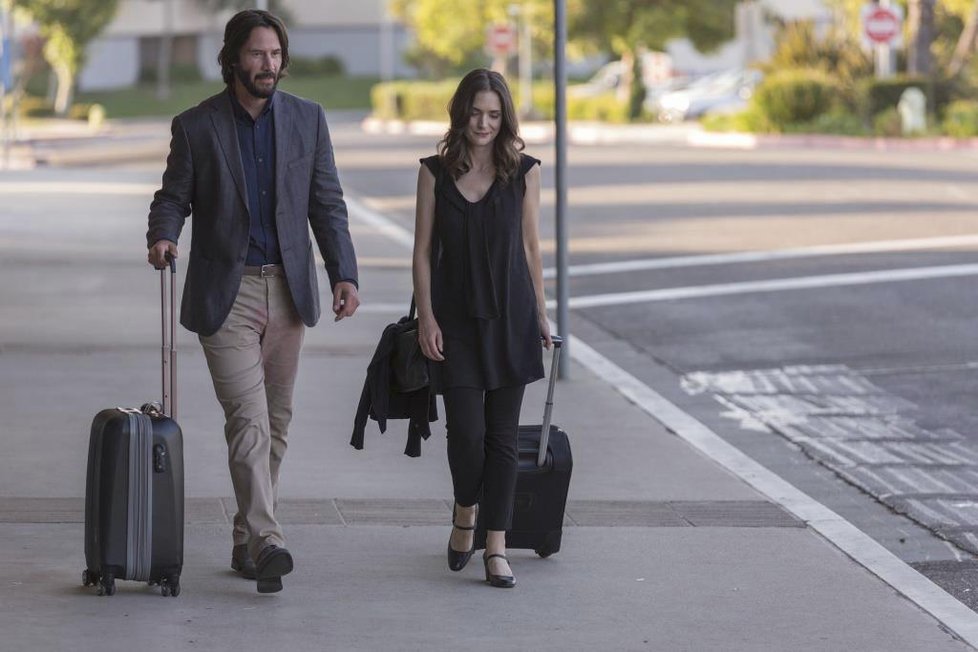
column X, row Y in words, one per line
column 169, row 354
column 549, row 407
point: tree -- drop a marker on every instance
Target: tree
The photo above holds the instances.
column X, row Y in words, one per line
column 966, row 42
column 68, row 26
column 941, row 35
column 922, row 35
column 447, row 38
column 625, row 26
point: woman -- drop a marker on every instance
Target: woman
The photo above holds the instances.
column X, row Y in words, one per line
column 478, row 284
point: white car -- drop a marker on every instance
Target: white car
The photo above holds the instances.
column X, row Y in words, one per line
column 725, row 91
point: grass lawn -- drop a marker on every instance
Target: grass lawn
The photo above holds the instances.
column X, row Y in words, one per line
column 140, row 101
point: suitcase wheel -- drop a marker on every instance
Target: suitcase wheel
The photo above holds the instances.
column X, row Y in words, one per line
column 106, row 585
column 89, row 578
column 170, row 586
column 544, row 551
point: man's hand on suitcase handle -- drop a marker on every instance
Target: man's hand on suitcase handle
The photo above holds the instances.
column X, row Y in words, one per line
column 157, row 255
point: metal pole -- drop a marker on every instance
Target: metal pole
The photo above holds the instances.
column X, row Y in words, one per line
column 261, row 4
column 884, row 54
column 526, row 64
column 387, row 55
column 5, row 55
column 560, row 177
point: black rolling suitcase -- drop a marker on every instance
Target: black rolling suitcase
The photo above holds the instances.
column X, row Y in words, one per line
column 134, row 489
column 542, row 480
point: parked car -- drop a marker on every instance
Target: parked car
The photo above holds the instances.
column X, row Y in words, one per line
column 721, row 92
column 656, row 71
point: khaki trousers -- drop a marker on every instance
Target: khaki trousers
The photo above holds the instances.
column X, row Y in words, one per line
column 253, row 359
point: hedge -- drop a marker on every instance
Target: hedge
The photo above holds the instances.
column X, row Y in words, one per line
column 961, row 119
column 795, row 96
column 877, row 95
column 415, row 100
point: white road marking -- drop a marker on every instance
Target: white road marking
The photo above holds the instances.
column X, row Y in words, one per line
column 380, row 222
column 840, row 532
column 772, row 285
column 76, row 188
column 674, row 262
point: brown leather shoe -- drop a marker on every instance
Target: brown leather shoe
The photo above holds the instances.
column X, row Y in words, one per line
column 242, row 562
column 273, row 562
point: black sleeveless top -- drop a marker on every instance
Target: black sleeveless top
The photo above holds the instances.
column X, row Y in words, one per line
column 481, row 291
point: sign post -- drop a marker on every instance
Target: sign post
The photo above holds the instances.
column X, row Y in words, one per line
column 883, row 30
column 6, row 81
column 560, row 181
column 500, row 44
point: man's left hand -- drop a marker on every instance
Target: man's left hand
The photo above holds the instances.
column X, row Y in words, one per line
column 345, row 300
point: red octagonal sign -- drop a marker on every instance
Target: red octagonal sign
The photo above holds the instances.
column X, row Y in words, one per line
column 882, row 25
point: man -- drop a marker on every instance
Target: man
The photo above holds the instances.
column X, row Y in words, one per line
column 255, row 167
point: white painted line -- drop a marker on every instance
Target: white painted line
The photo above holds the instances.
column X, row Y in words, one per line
column 673, row 262
column 772, row 285
column 381, row 223
column 76, row 188
column 842, row 534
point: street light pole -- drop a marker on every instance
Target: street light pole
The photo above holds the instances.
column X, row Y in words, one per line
column 560, row 179
column 6, row 66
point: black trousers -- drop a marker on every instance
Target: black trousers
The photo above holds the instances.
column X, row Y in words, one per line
column 482, row 454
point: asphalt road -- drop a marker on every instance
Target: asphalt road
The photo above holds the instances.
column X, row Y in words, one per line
column 814, row 308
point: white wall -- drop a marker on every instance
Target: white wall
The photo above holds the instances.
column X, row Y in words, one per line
column 112, row 63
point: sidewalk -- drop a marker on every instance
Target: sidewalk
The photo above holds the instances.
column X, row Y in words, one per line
column 663, row 549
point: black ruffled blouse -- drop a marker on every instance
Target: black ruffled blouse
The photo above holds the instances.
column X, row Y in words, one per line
column 481, row 290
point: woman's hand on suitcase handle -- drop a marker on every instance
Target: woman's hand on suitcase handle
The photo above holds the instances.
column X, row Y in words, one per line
column 159, row 251
column 429, row 337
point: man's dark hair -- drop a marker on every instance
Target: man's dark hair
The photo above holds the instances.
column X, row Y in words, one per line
column 238, row 30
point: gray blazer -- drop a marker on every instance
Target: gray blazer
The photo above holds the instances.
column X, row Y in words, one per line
column 204, row 175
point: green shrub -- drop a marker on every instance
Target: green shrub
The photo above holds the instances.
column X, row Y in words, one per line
column 961, row 119
column 32, row 106
column 800, row 45
column 838, row 121
column 326, row 66
column 418, row 100
column 750, row 120
column 412, row 100
column 38, row 107
column 794, row 96
column 180, row 73
column 877, row 95
column 887, row 123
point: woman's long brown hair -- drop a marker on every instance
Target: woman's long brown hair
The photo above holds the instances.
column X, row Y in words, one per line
column 506, row 148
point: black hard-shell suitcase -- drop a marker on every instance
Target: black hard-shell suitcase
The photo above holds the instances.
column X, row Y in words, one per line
column 542, row 480
column 134, row 488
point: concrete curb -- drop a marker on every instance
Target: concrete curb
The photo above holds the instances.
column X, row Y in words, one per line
column 692, row 135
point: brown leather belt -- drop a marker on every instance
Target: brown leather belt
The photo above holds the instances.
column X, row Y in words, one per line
column 264, row 271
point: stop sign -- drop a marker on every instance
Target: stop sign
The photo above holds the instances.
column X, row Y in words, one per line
column 500, row 40
column 882, row 25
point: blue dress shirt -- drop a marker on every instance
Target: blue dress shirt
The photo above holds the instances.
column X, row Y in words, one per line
column 256, row 139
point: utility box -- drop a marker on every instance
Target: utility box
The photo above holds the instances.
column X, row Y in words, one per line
column 913, row 111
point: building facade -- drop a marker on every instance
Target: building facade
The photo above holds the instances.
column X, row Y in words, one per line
column 127, row 51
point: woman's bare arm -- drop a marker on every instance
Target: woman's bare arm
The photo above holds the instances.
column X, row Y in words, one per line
column 531, row 245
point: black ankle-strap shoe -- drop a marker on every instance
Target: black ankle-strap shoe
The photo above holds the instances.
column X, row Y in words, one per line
column 500, row 581
column 457, row 560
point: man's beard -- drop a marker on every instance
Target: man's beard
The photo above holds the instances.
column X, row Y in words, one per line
column 253, row 89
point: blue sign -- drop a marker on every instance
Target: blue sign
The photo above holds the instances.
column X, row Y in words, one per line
column 6, row 60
